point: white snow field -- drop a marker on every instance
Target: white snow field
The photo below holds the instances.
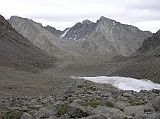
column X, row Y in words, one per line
column 124, row 83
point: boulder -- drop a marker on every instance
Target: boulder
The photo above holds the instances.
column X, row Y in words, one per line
column 44, row 113
column 76, row 110
column 26, row 116
column 133, row 110
column 126, row 94
column 94, row 117
column 156, row 91
column 140, row 109
column 121, row 105
column 58, row 104
column 129, row 117
column 108, row 112
column 148, row 116
column 156, row 103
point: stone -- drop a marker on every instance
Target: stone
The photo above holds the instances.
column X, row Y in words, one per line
column 58, row 104
column 140, row 109
column 94, row 117
column 78, row 101
column 51, row 117
column 128, row 95
column 89, row 110
column 133, row 110
column 129, row 117
column 51, row 98
column 156, row 103
column 44, row 113
column 108, row 112
column 121, row 105
column 111, row 100
column 156, row 91
column 80, row 85
column 76, row 110
column 26, row 116
column 148, row 116
column 65, row 116
column 35, row 107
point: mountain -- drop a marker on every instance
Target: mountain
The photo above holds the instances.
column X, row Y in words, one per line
column 145, row 62
column 105, row 38
column 41, row 37
column 54, row 31
column 18, row 52
column 151, row 46
column 79, row 31
column 111, row 38
column 85, row 40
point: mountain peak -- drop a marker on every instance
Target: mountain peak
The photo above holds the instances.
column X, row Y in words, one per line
column 158, row 32
column 86, row 21
column 102, row 18
column 49, row 27
column 26, row 20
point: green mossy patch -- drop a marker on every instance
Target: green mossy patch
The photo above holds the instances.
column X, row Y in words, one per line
column 62, row 109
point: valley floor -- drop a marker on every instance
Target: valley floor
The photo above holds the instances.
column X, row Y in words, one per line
column 53, row 94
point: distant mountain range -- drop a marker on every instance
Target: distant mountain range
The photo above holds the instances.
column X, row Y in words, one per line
column 136, row 52
column 106, row 38
column 19, row 53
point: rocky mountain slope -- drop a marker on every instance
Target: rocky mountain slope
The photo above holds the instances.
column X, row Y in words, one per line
column 53, row 30
column 104, row 39
column 79, row 31
column 40, row 37
column 151, row 46
column 18, row 52
column 145, row 62
column 113, row 38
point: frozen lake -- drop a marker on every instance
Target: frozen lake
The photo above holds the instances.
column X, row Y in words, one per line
column 124, row 83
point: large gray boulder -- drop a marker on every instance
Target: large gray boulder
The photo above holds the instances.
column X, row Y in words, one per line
column 140, row 109
column 44, row 113
column 76, row 110
column 108, row 112
column 148, row 116
column 156, row 103
column 94, row 117
column 121, row 105
column 26, row 116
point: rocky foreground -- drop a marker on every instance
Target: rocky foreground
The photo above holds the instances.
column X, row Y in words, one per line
column 85, row 100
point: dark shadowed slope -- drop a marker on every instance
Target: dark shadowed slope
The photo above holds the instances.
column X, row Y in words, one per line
column 18, row 52
column 53, row 30
column 151, row 46
column 145, row 63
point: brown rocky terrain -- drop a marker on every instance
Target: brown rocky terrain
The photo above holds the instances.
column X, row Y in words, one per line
column 19, row 53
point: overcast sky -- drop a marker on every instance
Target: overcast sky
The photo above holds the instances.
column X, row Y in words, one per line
column 144, row 14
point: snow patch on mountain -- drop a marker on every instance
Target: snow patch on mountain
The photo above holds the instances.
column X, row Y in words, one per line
column 63, row 35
